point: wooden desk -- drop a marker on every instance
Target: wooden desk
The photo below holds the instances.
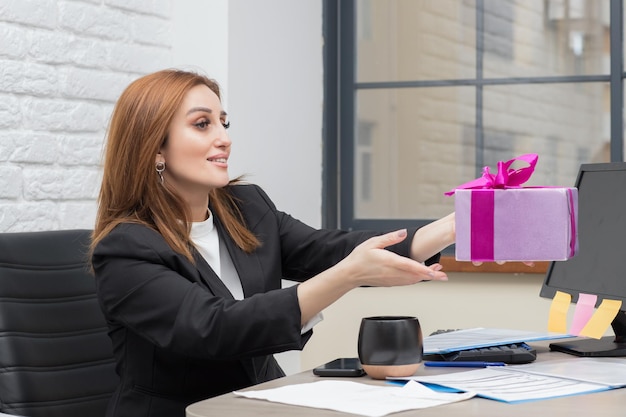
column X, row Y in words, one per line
column 603, row 404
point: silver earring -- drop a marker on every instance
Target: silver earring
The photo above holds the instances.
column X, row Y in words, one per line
column 160, row 167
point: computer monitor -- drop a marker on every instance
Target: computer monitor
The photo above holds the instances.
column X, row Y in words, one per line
column 600, row 266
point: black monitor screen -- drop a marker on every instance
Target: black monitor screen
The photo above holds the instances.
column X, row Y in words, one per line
column 600, row 266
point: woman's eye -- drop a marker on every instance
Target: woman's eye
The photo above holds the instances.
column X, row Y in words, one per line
column 202, row 125
column 226, row 125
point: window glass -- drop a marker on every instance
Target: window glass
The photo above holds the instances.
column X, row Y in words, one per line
column 411, row 146
column 549, row 38
column 565, row 124
column 414, row 144
column 415, row 39
column 402, row 40
column 545, row 38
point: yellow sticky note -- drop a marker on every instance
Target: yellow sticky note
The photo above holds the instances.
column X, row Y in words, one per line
column 557, row 321
column 601, row 319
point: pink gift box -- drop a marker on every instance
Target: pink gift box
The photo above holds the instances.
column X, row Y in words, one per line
column 516, row 224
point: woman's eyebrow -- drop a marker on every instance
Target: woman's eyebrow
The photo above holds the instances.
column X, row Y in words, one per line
column 204, row 109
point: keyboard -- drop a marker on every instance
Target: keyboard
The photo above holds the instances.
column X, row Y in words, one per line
column 513, row 353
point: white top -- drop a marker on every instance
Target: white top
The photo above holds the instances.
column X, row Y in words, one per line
column 205, row 236
column 208, row 242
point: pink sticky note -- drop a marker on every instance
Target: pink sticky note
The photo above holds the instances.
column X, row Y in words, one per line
column 584, row 310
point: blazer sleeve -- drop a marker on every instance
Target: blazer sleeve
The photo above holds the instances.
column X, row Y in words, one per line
column 306, row 251
column 149, row 289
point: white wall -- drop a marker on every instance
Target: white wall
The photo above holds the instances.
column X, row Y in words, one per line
column 275, row 99
column 267, row 57
column 62, row 66
column 200, row 38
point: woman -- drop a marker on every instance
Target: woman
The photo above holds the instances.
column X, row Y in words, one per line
column 189, row 264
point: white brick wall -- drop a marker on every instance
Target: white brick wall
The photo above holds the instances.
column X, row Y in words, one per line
column 62, row 66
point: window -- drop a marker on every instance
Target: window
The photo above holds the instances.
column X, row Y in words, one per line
column 421, row 94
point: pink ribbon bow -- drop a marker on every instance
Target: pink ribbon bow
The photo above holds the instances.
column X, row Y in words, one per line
column 505, row 177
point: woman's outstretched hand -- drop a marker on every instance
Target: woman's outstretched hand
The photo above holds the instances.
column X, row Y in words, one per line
column 370, row 264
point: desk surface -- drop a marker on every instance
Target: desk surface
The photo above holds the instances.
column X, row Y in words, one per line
column 602, row 404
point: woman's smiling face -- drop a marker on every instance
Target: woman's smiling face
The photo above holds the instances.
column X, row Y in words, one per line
column 197, row 148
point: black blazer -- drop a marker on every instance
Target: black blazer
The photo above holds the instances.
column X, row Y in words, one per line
column 179, row 336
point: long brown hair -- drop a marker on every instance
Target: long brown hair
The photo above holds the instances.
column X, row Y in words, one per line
column 131, row 191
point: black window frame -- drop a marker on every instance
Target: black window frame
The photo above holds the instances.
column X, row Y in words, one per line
column 340, row 87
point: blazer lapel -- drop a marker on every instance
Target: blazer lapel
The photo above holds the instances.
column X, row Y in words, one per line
column 247, row 265
column 210, row 278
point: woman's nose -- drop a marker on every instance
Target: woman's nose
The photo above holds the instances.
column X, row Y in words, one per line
column 223, row 139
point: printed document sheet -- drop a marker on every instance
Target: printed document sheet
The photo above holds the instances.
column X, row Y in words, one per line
column 535, row 381
column 357, row 398
column 482, row 337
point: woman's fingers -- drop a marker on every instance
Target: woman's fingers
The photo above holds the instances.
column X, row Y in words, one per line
column 375, row 266
column 437, row 274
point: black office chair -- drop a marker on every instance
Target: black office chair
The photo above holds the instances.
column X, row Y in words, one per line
column 56, row 359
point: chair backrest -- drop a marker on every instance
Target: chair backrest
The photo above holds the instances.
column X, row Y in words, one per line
column 56, row 358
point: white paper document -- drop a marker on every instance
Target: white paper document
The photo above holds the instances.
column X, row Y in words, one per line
column 604, row 371
column 535, row 381
column 481, row 337
column 357, row 398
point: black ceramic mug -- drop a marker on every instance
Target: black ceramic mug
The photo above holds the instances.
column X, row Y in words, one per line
column 390, row 345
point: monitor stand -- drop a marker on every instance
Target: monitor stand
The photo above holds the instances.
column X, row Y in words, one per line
column 604, row 347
